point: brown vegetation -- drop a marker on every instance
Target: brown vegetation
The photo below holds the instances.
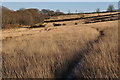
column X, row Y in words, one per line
column 76, row 51
column 11, row 19
column 58, row 53
column 102, row 59
column 37, row 26
column 76, row 23
column 56, row 24
column 44, row 55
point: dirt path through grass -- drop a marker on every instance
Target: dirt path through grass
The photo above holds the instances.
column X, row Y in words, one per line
column 51, row 54
column 47, row 54
column 77, row 59
column 101, row 57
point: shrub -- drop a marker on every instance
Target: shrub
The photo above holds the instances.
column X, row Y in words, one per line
column 86, row 22
column 56, row 24
column 37, row 26
column 64, row 24
column 75, row 23
column 9, row 26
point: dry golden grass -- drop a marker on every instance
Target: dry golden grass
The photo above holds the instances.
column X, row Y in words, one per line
column 96, row 14
column 56, row 53
column 18, row 32
column 102, row 60
column 45, row 55
column 79, row 15
column 65, row 16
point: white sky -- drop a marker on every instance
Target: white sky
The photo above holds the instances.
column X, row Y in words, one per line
column 59, row 0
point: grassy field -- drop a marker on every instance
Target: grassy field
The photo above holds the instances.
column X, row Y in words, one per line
column 79, row 15
column 102, row 59
column 80, row 51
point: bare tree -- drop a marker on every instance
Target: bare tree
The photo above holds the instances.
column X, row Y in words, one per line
column 110, row 8
column 98, row 11
column 69, row 12
column 119, row 6
column 76, row 11
column 57, row 10
column 22, row 9
column 21, row 17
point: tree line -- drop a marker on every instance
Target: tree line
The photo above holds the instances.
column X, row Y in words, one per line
column 23, row 16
